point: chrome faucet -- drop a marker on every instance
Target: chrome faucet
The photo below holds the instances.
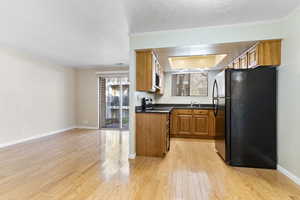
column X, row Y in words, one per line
column 194, row 103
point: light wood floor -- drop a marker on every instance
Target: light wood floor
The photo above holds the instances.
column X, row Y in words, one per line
column 93, row 165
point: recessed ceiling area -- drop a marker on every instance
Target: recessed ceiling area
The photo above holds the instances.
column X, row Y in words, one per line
column 231, row 50
column 195, row 62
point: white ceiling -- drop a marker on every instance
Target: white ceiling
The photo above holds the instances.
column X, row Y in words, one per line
column 96, row 32
column 67, row 32
column 157, row 15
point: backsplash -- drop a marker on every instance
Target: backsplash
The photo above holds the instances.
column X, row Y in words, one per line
column 182, row 100
column 140, row 95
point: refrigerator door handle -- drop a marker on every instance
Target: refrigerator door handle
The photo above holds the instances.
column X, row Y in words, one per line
column 215, row 98
column 213, row 95
column 215, row 88
column 216, row 110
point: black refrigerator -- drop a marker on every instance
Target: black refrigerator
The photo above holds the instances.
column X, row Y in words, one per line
column 244, row 102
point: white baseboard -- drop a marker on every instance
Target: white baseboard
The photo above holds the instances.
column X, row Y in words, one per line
column 292, row 176
column 35, row 137
column 132, row 156
column 87, row 127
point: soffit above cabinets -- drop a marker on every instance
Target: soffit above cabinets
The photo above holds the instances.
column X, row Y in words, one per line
column 231, row 50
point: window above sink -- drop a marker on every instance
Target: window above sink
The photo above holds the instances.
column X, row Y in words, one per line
column 190, row 84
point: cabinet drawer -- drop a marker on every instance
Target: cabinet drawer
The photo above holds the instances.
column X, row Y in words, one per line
column 201, row 112
column 184, row 111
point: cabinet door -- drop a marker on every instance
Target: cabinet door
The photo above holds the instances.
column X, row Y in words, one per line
column 200, row 125
column 141, row 134
column 144, row 71
column 151, row 140
column 269, row 53
column 183, row 124
column 244, row 61
column 236, row 63
column 253, row 57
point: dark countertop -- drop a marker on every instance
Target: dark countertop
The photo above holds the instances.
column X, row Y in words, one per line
column 167, row 108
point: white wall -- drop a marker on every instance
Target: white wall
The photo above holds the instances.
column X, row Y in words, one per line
column 140, row 95
column 288, row 97
column 168, row 98
column 35, row 98
column 87, row 95
column 207, row 35
column 87, row 99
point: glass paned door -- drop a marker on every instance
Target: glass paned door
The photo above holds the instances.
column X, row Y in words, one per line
column 114, row 102
column 125, row 104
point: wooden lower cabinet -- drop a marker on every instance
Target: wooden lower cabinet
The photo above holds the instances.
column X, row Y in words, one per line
column 200, row 125
column 152, row 134
column 184, row 124
column 192, row 123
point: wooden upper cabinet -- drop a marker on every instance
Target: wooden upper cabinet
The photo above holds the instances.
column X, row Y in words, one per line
column 269, row 53
column 230, row 66
column 265, row 53
column 253, row 57
column 144, row 71
column 244, row 61
column 236, row 63
column 147, row 66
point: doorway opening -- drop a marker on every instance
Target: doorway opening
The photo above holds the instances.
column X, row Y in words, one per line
column 114, row 102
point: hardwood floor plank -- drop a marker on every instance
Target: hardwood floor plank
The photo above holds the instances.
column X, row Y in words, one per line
column 93, row 165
